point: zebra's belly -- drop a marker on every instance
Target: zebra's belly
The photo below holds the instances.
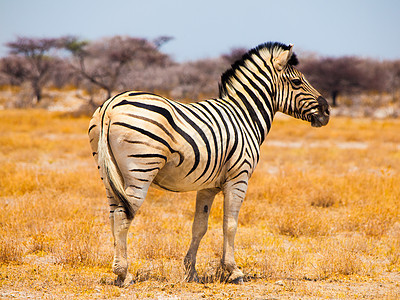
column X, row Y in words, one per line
column 175, row 179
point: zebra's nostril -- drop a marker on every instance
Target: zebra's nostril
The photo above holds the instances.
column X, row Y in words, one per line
column 323, row 106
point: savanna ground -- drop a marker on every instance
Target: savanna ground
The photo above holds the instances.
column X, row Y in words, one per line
column 321, row 218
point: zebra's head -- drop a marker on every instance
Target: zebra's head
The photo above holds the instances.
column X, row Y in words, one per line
column 295, row 96
column 266, row 78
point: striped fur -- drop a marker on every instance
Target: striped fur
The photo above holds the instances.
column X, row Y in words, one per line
column 141, row 139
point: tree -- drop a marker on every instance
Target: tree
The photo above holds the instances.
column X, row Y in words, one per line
column 15, row 68
column 343, row 75
column 234, row 55
column 103, row 62
column 393, row 82
column 193, row 80
column 30, row 60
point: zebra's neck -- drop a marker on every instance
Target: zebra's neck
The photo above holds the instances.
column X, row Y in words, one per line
column 250, row 88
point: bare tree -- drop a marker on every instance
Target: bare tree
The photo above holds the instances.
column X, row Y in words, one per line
column 30, row 60
column 342, row 75
column 103, row 62
column 234, row 54
column 62, row 75
column 393, row 82
column 15, row 68
column 187, row 81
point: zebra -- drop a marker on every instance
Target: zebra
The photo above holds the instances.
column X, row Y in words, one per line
column 141, row 139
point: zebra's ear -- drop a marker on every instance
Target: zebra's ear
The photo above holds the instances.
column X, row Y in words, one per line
column 282, row 59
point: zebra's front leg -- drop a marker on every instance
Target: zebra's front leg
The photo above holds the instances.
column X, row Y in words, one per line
column 204, row 200
column 233, row 197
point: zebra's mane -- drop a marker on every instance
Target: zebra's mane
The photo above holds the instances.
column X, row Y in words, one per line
column 273, row 49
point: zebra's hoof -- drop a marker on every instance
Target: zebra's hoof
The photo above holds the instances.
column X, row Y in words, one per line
column 238, row 280
column 124, row 282
column 192, row 278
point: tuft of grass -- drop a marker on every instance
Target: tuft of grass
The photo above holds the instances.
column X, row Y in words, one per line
column 10, row 250
column 300, row 222
column 342, row 257
column 81, row 244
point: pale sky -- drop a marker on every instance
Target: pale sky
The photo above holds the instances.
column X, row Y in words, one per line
column 208, row 28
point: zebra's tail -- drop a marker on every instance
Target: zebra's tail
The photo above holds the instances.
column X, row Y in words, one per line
column 110, row 170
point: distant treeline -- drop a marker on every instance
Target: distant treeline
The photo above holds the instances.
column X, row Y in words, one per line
column 127, row 63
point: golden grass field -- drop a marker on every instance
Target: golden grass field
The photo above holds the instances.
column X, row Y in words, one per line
column 321, row 218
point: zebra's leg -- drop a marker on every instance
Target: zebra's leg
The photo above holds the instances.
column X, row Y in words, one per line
column 137, row 184
column 121, row 224
column 233, row 198
column 204, row 200
column 119, row 228
column 113, row 204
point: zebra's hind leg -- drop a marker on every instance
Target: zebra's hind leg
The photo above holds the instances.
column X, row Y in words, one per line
column 120, row 223
column 119, row 227
column 233, row 198
column 204, row 200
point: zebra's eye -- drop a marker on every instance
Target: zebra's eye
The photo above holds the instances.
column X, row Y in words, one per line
column 296, row 81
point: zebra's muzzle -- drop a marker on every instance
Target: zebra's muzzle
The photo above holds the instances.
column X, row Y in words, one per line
column 321, row 118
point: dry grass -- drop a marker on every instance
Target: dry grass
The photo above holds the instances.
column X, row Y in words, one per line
column 321, row 218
